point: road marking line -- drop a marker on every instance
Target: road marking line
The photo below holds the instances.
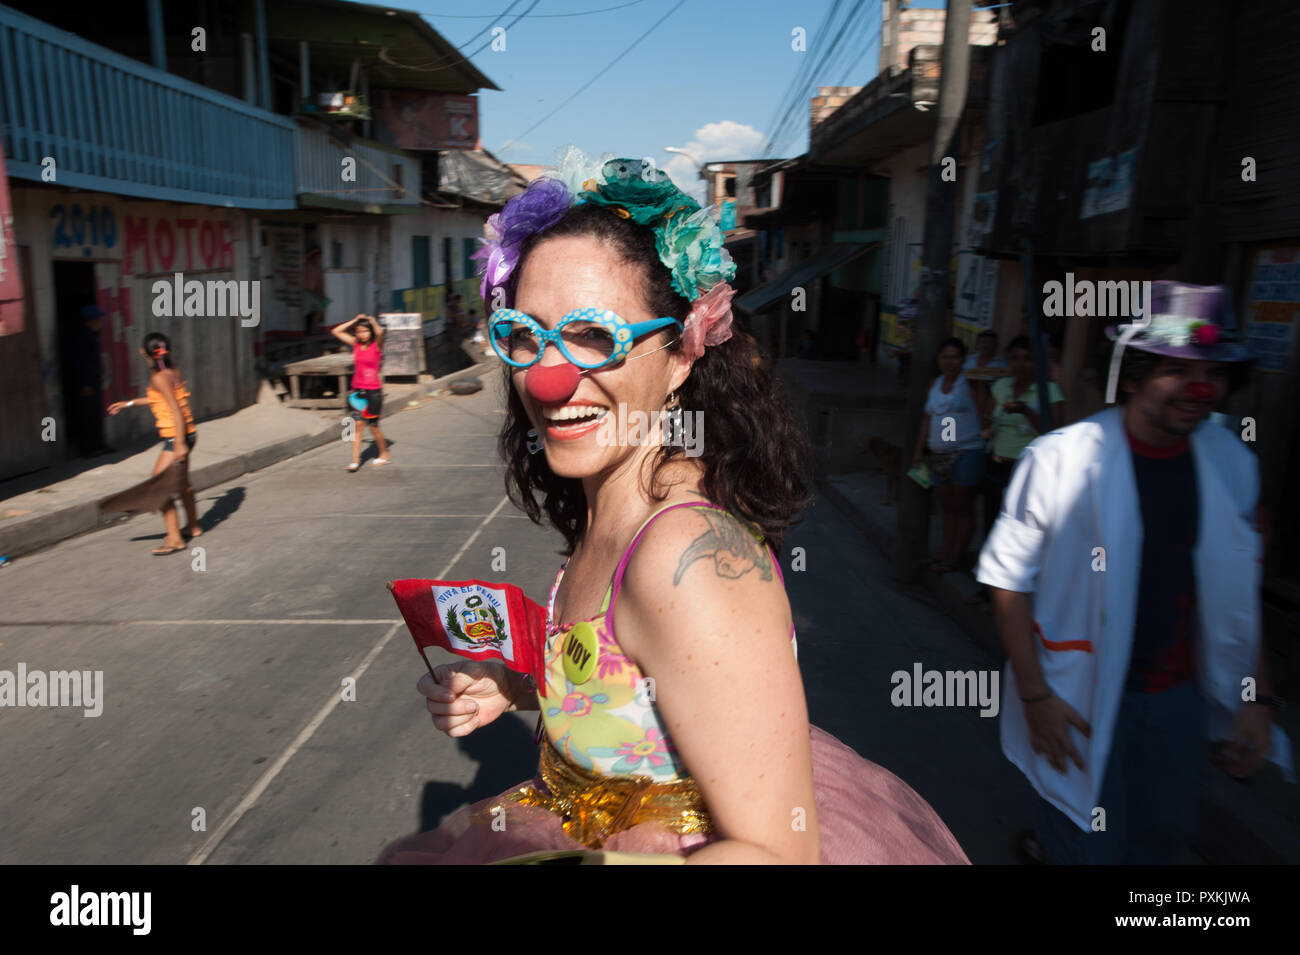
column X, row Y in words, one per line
column 251, row 797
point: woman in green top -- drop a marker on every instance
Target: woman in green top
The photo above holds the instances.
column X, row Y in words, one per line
column 1015, row 422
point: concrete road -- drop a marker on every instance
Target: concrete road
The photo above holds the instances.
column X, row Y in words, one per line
column 225, row 736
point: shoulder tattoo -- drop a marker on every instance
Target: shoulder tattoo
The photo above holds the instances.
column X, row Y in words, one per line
column 734, row 550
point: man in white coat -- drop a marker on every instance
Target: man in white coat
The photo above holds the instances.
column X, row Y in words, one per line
column 1125, row 575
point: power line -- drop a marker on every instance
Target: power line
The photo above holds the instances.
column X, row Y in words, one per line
column 820, row 70
column 439, row 65
column 794, row 91
column 513, row 4
column 797, row 100
column 535, row 16
column 607, row 68
column 799, row 103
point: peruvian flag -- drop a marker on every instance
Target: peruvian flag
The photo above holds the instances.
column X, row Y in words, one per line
column 475, row 619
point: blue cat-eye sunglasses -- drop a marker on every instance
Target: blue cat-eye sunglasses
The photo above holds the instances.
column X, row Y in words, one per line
column 587, row 337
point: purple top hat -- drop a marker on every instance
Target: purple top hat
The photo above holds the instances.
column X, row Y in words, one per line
column 1185, row 321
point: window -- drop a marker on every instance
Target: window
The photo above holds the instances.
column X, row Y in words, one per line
column 336, row 249
column 419, row 261
column 468, row 248
column 1073, row 79
column 731, row 187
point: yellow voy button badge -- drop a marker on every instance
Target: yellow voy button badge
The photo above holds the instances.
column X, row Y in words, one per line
column 581, row 647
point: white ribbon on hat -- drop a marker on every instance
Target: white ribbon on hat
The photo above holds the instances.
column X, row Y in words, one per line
column 1117, row 354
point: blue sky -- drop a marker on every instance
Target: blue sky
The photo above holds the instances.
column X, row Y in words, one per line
column 707, row 80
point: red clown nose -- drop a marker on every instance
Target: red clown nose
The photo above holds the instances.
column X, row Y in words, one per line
column 1199, row 391
column 551, row 384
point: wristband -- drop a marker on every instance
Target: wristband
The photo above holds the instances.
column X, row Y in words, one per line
column 131, row 403
column 1038, row 699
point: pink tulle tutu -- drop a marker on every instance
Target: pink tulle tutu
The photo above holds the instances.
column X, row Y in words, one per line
column 866, row 815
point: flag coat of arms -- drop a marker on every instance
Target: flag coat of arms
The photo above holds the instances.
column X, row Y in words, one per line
column 475, row 619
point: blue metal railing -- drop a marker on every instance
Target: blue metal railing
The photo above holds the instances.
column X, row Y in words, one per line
column 379, row 176
column 113, row 124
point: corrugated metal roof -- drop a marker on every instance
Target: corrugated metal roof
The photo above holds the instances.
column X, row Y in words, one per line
column 827, row 260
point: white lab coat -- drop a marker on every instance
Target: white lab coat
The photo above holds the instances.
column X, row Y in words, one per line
column 1073, row 491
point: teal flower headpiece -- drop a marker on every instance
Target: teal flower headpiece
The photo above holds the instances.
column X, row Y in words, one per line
column 687, row 238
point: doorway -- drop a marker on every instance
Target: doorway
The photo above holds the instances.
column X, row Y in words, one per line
column 80, row 357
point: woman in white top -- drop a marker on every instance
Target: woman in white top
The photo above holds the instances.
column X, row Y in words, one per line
column 950, row 429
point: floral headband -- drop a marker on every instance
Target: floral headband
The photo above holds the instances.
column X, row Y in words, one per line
column 687, row 238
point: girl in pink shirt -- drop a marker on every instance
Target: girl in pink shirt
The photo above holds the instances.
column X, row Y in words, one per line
column 367, row 340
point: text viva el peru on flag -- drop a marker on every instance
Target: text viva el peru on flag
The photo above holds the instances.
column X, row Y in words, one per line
column 476, row 619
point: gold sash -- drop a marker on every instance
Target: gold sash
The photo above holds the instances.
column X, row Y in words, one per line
column 595, row 807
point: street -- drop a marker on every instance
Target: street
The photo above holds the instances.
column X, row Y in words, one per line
column 230, row 732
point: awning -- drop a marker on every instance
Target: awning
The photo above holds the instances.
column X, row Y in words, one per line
column 827, row 260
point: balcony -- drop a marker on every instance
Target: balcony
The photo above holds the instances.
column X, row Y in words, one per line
column 379, row 179
column 113, row 124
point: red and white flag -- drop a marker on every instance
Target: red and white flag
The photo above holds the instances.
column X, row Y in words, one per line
column 475, row 619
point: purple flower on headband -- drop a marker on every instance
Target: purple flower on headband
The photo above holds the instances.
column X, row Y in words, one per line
column 536, row 208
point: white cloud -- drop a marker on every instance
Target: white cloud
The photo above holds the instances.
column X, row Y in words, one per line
column 518, row 147
column 713, row 141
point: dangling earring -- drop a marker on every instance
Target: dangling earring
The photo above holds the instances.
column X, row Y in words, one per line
column 673, row 428
column 534, row 441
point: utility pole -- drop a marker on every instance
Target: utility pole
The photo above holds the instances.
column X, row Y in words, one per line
column 913, row 539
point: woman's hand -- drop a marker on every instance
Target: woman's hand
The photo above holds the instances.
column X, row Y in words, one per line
column 115, row 407
column 180, row 452
column 467, row 695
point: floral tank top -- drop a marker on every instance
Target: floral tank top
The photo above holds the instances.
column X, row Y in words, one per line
column 610, row 724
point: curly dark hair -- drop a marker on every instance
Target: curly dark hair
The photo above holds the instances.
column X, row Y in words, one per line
column 1137, row 365
column 159, row 347
column 756, row 457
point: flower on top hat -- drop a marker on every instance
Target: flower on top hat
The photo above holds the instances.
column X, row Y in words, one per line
column 1206, row 334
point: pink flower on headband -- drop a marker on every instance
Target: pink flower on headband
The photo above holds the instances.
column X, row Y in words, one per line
column 709, row 322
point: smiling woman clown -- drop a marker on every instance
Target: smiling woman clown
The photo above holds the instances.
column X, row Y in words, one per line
column 673, row 719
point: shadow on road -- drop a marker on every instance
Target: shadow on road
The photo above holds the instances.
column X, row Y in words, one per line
column 506, row 757
column 226, row 505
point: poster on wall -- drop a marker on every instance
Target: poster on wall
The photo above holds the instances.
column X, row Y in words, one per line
column 977, row 279
column 11, row 282
column 1273, row 307
column 1109, row 186
column 413, row 119
column 286, row 260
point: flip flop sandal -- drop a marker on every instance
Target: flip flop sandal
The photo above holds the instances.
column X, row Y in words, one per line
column 379, row 462
column 354, row 467
column 165, row 550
